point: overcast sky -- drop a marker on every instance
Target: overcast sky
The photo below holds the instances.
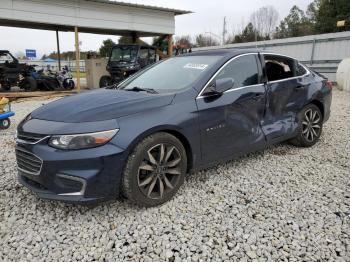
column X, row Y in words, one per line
column 207, row 17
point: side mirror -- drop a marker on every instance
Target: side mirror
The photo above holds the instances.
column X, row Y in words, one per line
column 222, row 85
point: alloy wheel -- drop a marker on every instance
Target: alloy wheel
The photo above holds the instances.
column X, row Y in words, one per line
column 159, row 171
column 311, row 125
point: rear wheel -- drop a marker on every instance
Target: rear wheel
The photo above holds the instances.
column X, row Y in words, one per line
column 5, row 123
column 155, row 170
column 309, row 127
column 29, row 84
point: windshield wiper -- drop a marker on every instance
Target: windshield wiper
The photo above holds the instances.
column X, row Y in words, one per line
column 139, row 89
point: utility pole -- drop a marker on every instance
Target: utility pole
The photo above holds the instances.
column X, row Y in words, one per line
column 224, row 31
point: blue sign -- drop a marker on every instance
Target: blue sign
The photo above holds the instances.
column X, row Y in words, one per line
column 30, row 53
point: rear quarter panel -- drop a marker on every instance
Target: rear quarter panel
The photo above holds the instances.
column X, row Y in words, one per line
column 320, row 94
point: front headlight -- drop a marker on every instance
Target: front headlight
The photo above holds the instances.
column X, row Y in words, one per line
column 81, row 141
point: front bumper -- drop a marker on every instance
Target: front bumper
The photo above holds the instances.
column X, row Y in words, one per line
column 88, row 175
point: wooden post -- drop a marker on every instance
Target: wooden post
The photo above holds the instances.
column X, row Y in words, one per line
column 77, row 57
column 170, row 45
column 58, row 50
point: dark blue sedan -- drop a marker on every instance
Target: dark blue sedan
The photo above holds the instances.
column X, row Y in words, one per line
column 140, row 138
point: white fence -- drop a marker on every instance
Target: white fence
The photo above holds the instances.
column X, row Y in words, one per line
column 40, row 64
column 323, row 53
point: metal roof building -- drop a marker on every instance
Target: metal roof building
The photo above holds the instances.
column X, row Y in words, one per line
column 90, row 16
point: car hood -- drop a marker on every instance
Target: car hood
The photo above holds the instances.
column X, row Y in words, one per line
column 99, row 105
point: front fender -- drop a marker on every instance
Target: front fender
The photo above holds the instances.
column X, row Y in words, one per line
column 179, row 118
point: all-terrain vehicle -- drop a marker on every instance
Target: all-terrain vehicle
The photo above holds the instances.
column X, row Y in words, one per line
column 32, row 80
column 10, row 69
column 125, row 60
column 46, row 80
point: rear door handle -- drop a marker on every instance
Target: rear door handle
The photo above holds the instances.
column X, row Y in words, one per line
column 299, row 87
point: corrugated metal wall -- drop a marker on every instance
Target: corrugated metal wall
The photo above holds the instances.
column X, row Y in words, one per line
column 323, row 52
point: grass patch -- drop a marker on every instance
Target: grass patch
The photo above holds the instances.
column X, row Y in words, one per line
column 82, row 74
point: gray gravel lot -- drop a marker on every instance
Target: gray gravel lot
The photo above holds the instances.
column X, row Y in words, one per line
column 284, row 203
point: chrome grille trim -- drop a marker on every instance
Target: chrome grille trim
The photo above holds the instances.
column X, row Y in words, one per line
column 30, row 138
column 27, row 162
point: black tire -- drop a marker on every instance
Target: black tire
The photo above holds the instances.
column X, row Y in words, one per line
column 5, row 123
column 310, row 123
column 105, row 81
column 68, row 84
column 29, row 84
column 6, row 86
column 166, row 177
column 52, row 84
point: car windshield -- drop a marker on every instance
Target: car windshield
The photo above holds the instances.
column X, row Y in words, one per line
column 172, row 74
column 124, row 54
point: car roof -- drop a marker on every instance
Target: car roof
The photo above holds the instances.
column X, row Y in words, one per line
column 137, row 45
column 223, row 52
column 232, row 52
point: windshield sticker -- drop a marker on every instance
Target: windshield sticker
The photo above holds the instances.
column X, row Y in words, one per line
column 196, row 66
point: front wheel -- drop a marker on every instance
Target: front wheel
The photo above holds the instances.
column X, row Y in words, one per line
column 68, row 84
column 310, row 123
column 155, row 170
column 105, row 81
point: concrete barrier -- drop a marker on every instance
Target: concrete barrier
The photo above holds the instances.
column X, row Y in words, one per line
column 343, row 75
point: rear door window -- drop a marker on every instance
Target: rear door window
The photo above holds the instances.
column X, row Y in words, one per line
column 279, row 67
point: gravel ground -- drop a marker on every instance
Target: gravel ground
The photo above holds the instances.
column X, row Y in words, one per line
column 285, row 203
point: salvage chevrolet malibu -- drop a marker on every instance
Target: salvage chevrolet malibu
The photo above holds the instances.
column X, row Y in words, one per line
column 140, row 138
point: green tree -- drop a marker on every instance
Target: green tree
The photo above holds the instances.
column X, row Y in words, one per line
column 296, row 23
column 106, row 47
column 155, row 40
column 205, row 40
column 249, row 34
column 312, row 11
column 125, row 40
column 328, row 12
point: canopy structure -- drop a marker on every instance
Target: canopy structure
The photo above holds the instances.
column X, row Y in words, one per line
column 90, row 16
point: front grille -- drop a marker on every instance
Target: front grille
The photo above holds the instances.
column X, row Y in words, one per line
column 30, row 137
column 28, row 162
